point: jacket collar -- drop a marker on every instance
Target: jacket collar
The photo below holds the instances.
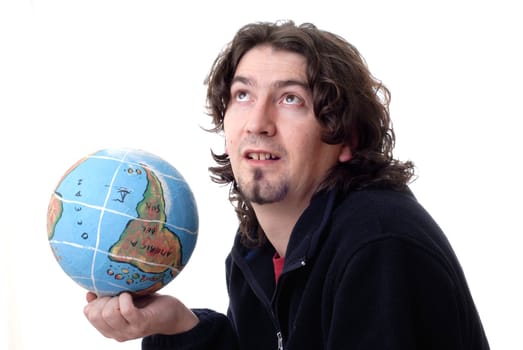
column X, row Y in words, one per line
column 256, row 263
column 305, row 234
column 308, row 230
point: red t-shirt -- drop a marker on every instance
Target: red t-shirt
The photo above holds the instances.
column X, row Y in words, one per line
column 278, row 262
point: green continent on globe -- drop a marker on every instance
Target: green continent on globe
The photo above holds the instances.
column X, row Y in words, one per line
column 54, row 213
column 146, row 242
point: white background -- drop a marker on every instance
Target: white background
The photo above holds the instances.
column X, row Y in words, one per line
column 77, row 76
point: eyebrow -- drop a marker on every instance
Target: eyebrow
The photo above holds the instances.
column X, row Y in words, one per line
column 277, row 84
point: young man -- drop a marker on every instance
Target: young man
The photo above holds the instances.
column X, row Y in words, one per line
column 333, row 251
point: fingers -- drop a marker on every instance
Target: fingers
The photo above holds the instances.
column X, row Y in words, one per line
column 113, row 319
column 106, row 315
column 127, row 308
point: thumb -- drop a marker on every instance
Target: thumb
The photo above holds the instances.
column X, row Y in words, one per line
column 90, row 296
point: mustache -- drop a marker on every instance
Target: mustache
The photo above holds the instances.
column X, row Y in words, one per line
column 264, row 142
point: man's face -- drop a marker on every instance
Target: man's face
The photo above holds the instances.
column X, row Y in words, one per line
column 272, row 135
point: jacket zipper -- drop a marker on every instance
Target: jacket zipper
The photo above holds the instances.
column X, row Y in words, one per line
column 269, row 304
column 274, row 302
column 280, row 341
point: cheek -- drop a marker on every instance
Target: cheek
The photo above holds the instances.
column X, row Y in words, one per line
column 227, row 136
column 232, row 134
column 231, row 147
column 228, row 145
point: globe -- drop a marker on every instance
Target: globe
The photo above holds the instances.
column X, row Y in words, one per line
column 120, row 220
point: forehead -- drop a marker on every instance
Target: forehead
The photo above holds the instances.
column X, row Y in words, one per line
column 264, row 63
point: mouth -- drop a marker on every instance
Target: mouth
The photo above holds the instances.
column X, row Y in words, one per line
column 261, row 156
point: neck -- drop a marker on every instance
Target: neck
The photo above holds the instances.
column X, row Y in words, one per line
column 277, row 221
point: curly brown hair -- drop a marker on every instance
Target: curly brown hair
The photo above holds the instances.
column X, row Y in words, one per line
column 350, row 104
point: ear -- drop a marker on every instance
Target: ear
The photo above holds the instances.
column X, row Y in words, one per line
column 345, row 154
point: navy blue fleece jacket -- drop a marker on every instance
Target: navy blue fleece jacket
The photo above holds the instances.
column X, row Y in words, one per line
column 369, row 270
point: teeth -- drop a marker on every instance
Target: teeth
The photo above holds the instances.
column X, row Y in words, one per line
column 261, row 156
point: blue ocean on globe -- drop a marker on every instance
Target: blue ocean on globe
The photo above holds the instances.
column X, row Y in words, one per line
column 122, row 220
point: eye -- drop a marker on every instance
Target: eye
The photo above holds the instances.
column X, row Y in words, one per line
column 291, row 99
column 241, row 96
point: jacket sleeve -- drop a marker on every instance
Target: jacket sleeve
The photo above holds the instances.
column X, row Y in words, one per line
column 395, row 294
column 214, row 331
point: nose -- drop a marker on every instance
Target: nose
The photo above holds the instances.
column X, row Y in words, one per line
column 261, row 119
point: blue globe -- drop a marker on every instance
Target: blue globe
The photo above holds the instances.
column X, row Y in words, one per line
column 122, row 220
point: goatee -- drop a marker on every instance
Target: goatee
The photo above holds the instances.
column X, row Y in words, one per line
column 262, row 192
